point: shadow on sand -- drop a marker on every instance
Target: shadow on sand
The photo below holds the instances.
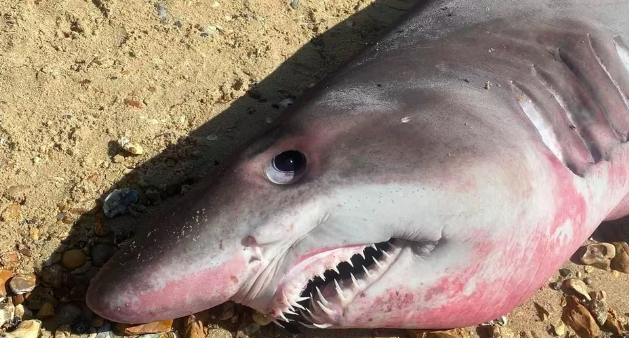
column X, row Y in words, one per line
column 165, row 177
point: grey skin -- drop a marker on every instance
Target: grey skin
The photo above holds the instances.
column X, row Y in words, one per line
column 485, row 140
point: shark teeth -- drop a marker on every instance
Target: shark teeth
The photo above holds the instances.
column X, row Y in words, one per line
column 330, row 293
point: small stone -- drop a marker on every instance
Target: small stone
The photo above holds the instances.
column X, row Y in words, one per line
column 615, row 273
column 588, row 269
column 286, row 103
column 117, row 158
column 73, row 259
column 577, row 286
column 98, row 321
column 565, row 272
column 260, row 318
column 63, row 331
column 613, row 324
column 101, row 253
column 559, row 328
column 130, row 147
column 228, row 311
column 587, row 281
column 53, row 275
column 26, row 329
column 196, row 324
column 294, row 4
column 46, row 311
column 154, row 327
column 620, row 262
column 80, row 325
column 599, row 255
column 580, row 319
column 11, row 213
column 598, row 307
column 5, row 275
column 7, row 312
column 247, row 331
column 219, row 333
column 67, row 313
column 10, row 260
column 23, row 283
column 119, row 200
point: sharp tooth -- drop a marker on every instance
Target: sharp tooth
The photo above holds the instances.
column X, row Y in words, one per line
column 362, row 254
column 321, row 296
column 284, row 317
column 335, row 269
column 321, row 326
column 367, row 271
column 325, row 309
column 321, row 274
column 277, row 323
column 310, row 326
column 374, row 247
column 354, row 281
column 297, row 305
column 350, row 263
column 386, row 254
column 378, row 263
column 301, row 299
column 290, row 312
column 338, row 290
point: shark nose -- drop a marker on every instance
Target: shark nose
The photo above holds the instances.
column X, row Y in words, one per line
column 166, row 278
column 166, row 291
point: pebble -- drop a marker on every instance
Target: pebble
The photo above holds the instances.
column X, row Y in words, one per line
column 196, row 324
column 67, row 313
column 559, row 328
column 46, row 311
column 285, row 103
column 130, row 147
column 620, row 262
column 11, row 213
column 260, row 318
column 565, row 272
column 294, row 4
column 117, row 158
column 63, row 331
column 98, row 321
column 53, row 275
column 580, row 319
column 219, row 333
column 10, row 260
column 5, row 275
column 599, row 255
column 577, row 286
column 7, row 312
column 598, row 307
column 73, row 259
column 23, row 312
column 101, row 253
column 119, row 200
column 80, row 325
column 26, row 329
column 23, row 283
column 228, row 311
column 153, row 327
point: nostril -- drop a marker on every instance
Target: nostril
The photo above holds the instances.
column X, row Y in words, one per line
column 249, row 241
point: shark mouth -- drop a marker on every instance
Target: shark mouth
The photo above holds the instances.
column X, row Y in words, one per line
column 316, row 291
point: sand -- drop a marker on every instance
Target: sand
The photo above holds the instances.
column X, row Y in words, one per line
column 187, row 80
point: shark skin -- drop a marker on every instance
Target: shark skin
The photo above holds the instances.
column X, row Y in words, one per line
column 446, row 171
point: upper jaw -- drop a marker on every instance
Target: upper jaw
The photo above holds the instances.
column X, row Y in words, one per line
column 316, row 291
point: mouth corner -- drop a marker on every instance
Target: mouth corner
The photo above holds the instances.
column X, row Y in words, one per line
column 317, row 291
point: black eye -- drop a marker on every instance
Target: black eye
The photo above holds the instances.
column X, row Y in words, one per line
column 286, row 167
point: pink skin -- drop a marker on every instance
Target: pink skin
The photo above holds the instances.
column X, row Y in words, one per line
column 487, row 192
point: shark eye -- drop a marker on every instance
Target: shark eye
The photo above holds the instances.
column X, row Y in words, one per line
column 286, row 167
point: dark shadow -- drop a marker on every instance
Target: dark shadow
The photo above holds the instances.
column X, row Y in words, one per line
column 165, row 177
